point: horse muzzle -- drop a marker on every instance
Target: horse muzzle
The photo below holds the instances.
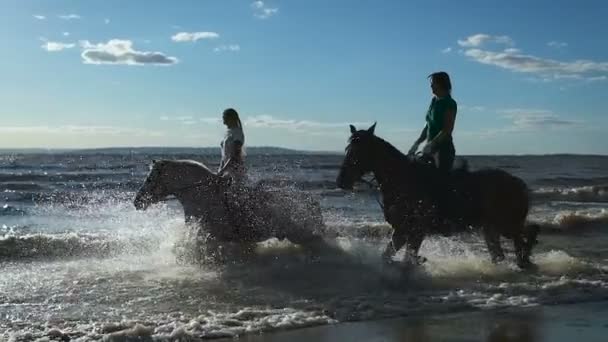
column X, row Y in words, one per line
column 343, row 184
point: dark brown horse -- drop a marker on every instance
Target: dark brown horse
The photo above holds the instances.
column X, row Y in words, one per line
column 420, row 201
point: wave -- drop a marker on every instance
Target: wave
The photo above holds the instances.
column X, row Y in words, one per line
column 63, row 177
column 593, row 193
column 575, row 221
column 70, row 245
column 573, row 181
column 9, row 210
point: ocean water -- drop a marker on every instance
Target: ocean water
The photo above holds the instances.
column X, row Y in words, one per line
column 78, row 262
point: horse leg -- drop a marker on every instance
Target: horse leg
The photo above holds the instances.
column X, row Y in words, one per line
column 414, row 241
column 307, row 239
column 492, row 238
column 522, row 252
column 394, row 245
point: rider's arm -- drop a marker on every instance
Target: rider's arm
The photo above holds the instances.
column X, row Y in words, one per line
column 422, row 136
column 236, row 153
column 418, row 141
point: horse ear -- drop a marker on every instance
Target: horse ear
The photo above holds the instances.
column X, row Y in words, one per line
column 372, row 129
column 352, row 129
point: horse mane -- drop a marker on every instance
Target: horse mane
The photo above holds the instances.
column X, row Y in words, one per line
column 392, row 150
column 187, row 162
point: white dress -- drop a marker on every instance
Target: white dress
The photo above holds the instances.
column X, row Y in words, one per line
column 236, row 170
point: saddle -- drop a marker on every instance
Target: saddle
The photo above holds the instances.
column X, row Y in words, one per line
column 454, row 193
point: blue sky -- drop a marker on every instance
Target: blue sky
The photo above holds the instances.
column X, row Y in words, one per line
column 529, row 77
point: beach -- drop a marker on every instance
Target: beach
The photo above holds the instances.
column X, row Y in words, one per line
column 78, row 261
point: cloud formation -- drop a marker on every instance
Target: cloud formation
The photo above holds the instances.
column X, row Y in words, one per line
column 121, row 52
column 482, row 38
column 525, row 119
column 232, row 48
column 270, row 122
column 556, row 44
column 69, row 17
column 261, row 11
column 39, row 17
column 193, row 36
column 515, row 60
column 56, row 46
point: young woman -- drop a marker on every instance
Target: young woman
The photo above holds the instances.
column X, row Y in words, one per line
column 440, row 118
column 233, row 163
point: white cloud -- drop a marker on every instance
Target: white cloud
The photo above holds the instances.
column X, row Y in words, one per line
column 261, row 11
column 512, row 50
column 56, row 46
column 447, row 50
column 117, row 51
column 210, row 120
column 233, row 48
column 39, row 17
column 556, row 44
column 81, row 130
column 190, row 120
column 543, row 69
column 547, row 68
column 193, row 36
column 69, row 16
column 106, row 21
column 268, row 121
column 471, row 108
column 526, row 119
column 479, row 39
column 66, row 34
column 522, row 120
column 257, row 4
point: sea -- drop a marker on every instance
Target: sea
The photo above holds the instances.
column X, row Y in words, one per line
column 79, row 263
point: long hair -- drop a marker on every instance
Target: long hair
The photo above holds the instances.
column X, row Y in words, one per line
column 443, row 79
column 232, row 116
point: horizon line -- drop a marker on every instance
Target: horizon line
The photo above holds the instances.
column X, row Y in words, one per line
column 302, row 151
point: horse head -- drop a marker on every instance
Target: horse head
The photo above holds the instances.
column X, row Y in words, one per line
column 177, row 177
column 154, row 188
column 359, row 159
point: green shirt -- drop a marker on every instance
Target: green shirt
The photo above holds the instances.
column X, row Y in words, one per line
column 436, row 113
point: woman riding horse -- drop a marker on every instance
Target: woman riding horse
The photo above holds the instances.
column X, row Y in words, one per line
column 440, row 118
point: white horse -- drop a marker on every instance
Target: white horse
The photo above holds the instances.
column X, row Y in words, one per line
column 229, row 213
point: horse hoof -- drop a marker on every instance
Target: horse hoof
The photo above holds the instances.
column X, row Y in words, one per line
column 415, row 260
column 499, row 259
column 527, row 265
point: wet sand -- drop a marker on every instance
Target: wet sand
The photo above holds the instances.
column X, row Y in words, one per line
column 575, row 322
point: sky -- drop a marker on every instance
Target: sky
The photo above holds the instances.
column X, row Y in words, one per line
column 529, row 77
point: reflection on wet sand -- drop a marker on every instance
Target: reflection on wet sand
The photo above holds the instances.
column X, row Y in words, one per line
column 485, row 326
